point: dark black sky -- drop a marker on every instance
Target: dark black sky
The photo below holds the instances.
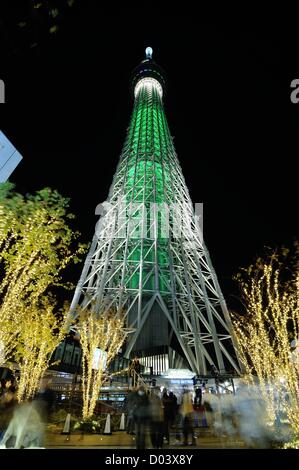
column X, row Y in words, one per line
column 228, row 106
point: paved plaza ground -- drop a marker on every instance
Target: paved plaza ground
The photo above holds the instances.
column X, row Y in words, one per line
column 121, row 440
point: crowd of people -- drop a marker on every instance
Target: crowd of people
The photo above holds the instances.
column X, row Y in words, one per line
column 162, row 413
column 153, row 414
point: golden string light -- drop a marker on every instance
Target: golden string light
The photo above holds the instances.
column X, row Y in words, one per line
column 36, row 244
column 42, row 331
column 264, row 334
column 103, row 331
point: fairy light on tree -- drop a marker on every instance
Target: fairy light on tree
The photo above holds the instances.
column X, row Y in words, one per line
column 102, row 331
column 36, row 244
column 270, row 291
column 8, row 222
column 43, row 328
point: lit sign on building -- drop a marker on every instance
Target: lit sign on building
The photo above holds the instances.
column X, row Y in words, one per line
column 99, row 359
column 9, row 158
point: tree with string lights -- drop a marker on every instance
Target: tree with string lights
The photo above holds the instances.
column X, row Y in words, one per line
column 43, row 328
column 268, row 330
column 103, row 334
column 36, row 244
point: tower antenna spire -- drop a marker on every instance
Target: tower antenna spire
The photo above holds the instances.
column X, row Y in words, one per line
column 149, row 53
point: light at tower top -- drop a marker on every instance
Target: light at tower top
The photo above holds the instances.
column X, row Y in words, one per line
column 148, row 74
column 149, row 52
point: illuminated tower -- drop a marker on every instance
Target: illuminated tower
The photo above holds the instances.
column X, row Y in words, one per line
column 148, row 258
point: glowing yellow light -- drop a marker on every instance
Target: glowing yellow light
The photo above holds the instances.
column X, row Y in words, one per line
column 267, row 331
column 104, row 331
column 35, row 243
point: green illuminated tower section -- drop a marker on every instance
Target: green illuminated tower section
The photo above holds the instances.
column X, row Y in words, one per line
column 148, row 257
column 148, row 182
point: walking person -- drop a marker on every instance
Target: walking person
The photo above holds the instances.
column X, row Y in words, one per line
column 198, row 397
column 167, row 407
column 173, row 408
column 187, row 415
column 129, row 409
column 134, row 371
column 156, row 420
column 45, row 399
column 198, row 410
column 209, row 413
column 178, row 418
column 141, row 414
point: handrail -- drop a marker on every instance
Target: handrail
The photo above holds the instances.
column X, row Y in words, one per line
column 137, row 379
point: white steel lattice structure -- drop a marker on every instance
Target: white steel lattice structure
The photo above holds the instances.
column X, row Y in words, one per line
column 147, row 257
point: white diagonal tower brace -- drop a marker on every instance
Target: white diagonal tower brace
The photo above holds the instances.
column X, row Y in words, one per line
column 148, row 257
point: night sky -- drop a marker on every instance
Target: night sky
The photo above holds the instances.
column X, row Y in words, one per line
column 228, row 105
